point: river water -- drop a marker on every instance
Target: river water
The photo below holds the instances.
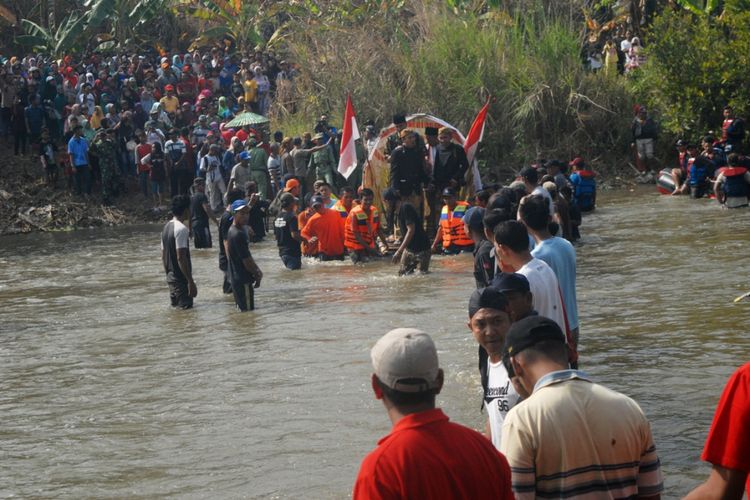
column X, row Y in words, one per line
column 107, row 392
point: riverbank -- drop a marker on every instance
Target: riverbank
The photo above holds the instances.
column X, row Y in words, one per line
column 28, row 204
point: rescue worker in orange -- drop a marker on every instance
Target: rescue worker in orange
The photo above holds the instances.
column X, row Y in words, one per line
column 345, row 203
column 308, row 249
column 451, row 230
column 325, row 228
column 362, row 228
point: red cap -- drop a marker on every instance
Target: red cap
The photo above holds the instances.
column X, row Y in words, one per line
column 576, row 162
column 169, row 88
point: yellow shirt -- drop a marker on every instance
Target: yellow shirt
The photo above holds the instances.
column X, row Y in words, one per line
column 170, row 104
column 251, row 90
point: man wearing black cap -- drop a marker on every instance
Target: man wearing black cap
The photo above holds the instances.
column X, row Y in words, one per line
column 394, row 140
column 489, row 321
column 425, row 456
column 571, row 436
column 515, row 287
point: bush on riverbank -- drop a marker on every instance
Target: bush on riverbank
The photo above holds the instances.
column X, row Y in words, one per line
column 428, row 59
column 696, row 66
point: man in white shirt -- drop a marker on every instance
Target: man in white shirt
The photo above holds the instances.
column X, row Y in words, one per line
column 175, row 255
column 512, row 248
column 489, row 321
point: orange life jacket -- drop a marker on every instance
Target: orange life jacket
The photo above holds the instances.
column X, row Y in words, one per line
column 308, row 249
column 452, row 225
column 366, row 225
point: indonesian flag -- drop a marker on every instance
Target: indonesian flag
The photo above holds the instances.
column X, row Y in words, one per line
column 349, row 134
column 476, row 133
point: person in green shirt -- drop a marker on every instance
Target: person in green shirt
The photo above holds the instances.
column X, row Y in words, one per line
column 258, row 168
column 323, row 161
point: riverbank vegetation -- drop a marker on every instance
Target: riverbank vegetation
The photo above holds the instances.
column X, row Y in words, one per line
column 446, row 57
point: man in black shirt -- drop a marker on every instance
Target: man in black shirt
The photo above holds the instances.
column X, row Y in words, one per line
column 242, row 270
column 484, row 261
column 224, row 224
column 408, row 172
column 286, row 229
column 415, row 246
column 200, row 212
column 258, row 210
column 175, row 255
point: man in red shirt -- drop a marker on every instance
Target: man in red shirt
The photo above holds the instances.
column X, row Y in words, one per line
column 728, row 443
column 425, row 456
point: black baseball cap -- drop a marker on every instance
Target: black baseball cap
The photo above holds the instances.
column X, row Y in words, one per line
column 449, row 192
column 529, row 173
column 489, row 298
column 529, row 332
column 511, row 282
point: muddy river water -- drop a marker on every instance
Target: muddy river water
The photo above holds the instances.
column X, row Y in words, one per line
column 106, row 392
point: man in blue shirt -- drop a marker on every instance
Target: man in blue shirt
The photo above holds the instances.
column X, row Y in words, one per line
column 557, row 252
column 78, row 152
column 35, row 116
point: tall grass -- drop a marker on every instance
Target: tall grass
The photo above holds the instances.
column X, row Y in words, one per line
column 544, row 102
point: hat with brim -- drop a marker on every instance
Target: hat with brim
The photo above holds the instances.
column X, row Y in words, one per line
column 239, row 205
column 405, row 359
column 487, row 298
column 530, row 331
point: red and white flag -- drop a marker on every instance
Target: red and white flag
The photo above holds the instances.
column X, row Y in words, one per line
column 349, row 134
column 476, row 133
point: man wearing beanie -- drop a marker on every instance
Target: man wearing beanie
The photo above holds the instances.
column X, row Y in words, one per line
column 489, row 321
column 425, row 456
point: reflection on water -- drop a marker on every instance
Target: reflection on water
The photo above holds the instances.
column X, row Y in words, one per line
column 105, row 391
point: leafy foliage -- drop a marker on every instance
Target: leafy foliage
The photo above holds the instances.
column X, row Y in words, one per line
column 696, row 66
column 429, row 60
column 65, row 38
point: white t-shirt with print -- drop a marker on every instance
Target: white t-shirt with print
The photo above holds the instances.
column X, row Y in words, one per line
column 499, row 398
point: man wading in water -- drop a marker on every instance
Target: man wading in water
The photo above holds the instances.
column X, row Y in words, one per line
column 175, row 255
column 242, row 270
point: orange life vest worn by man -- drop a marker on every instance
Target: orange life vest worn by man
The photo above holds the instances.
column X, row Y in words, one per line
column 325, row 228
column 451, row 231
column 361, row 229
column 345, row 203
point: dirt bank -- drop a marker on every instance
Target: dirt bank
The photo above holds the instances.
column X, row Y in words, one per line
column 27, row 204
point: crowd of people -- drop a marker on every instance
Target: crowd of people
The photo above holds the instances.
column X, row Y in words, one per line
column 160, row 122
column 425, row 214
column 145, row 120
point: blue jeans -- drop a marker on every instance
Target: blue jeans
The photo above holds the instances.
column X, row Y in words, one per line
column 291, row 262
column 83, row 179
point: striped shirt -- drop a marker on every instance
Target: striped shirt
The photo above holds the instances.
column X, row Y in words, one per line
column 575, row 439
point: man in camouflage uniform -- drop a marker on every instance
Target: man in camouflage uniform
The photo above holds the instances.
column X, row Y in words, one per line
column 323, row 162
column 258, row 167
column 105, row 148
